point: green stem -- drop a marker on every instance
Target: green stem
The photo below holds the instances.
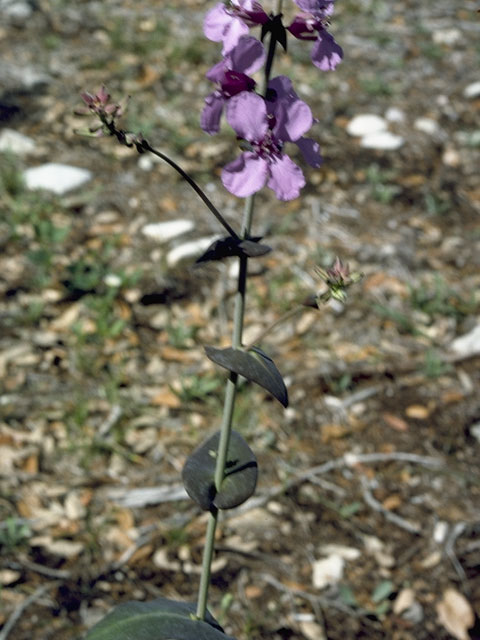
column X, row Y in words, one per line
column 194, row 186
column 226, row 427
column 231, row 388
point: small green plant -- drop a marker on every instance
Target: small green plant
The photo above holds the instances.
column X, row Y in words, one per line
column 11, row 179
column 404, row 322
column 13, row 533
column 381, row 188
column 196, row 388
column 438, row 299
column 376, row 86
column 437, row 204
column 181, row 335
column 434, row 365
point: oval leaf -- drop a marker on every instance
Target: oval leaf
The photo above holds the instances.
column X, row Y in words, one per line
column 255, row 366
column 240, row 474
column 228, row 246
column 160, row 619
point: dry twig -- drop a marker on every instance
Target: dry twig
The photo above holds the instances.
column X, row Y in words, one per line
column 16, row 615
column 391, row 517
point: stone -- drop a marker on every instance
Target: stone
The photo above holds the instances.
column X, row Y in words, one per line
column 394, row 114
column 165, row 231
column 472, row 90
column 15, row 11
column 16, row 78
column 467, row 345
column 382, row 140
column 366, row 124
column 15, row 142
column 347, row 553
column 189, row 250
column 447, row 36
column 426, row 125
column 328, row 571
column 58, row 178
column 475, row 431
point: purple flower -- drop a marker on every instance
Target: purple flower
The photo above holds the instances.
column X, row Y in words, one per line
column 265, row 126
column 318, row 8
column 326, row 53
column 231, row 75
column 227, row 23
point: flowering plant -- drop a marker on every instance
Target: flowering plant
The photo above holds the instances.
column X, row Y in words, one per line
column 265, row 117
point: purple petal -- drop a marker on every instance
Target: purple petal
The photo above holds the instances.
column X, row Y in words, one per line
column 212, row 112
column 234, row 30
column 247, row 115
column 283, row 87
column 303, row 28
column 316, row 7
column 215, row 22
column 246, row 175
column 286, row 178
column 247, row 56
column 326, row 53
column 310, row 151
column 251, row 11
column 293, row 118
column 217, row 72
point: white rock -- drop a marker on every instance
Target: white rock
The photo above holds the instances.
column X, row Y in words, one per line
column 327, row 571
column 446, row 36
column 15, row 142
column 365, row 124
column 164, row 231
column 189, row 250
column 17, row 11
column 147, row 161
column 403, row 601
column 58, row 178
column 347, row 553
column 467, row 345
column 112, row 280
column 440, row 531
column 394, row 114
column 382, row 140
column 426, row 125
column 475, row 431
column 8, row 576
column 451, row 157
column 472, row 90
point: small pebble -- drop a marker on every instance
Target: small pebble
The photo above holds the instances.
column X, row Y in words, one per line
column 58, row 178
column 366, row 124
column 382, row 140
column 472, row 90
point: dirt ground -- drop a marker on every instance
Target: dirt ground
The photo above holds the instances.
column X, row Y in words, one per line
column 371, row 476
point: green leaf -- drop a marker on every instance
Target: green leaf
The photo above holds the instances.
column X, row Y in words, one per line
column 228, row 246
column 350, row 509
column 160, row 619
column 347, row 595
column 382, row 591
column 240, row 474
column 255, row 366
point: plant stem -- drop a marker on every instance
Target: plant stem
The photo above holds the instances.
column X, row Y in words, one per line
column 194, row 186
column 228, row 407
column 231, row 386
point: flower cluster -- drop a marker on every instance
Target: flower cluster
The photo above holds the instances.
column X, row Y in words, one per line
column 338, row 278
column 264, row 123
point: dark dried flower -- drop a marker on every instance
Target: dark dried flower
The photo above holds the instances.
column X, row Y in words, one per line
column 337, row 278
